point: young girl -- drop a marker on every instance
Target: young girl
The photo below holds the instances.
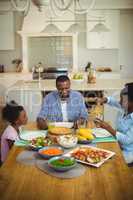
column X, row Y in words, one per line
column 16, row 116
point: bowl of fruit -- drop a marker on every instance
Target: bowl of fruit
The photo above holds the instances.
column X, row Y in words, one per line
column 78, row 77
column 85, row 135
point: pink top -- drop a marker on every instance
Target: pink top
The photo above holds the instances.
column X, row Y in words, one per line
column 9, row 134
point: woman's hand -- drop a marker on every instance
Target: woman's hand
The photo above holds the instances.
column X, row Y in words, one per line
column 106, row 126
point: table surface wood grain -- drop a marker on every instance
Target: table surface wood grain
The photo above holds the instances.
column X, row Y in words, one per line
column 112, row 181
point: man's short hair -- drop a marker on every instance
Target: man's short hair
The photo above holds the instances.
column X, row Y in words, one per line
column 62, row 78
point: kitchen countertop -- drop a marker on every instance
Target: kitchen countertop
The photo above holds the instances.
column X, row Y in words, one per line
column 24, row 81
column 49, row 85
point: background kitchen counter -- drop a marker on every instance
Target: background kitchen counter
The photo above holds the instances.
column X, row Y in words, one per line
column 82, row 85
column 27, row 92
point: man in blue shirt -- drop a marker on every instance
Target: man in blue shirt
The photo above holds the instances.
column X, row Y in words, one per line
column 62, row 105
column 124, row 130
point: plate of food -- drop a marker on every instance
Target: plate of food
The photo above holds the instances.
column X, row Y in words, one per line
column 100, row 132
column 61, row 124
column 60, row 130
column 29, row 135
column 51, row 151
column 90, row 155
column 62, row 163
column 39, row 142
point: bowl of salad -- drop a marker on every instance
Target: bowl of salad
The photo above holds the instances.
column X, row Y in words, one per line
column 39, row 142
column 62, row 163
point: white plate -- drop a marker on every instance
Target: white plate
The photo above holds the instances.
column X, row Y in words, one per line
column 29, row 135
column 100, row 132
column 110, row 154
column 62, row 124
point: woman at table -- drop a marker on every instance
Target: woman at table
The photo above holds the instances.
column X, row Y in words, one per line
column 124, row 130
column 16, row 116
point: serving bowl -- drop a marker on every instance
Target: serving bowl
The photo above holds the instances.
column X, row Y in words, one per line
column 62, row 163
column 39, row 143
column 50, row 151
column 67, row 141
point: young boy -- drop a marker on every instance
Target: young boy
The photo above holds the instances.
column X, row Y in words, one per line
column 124, row 130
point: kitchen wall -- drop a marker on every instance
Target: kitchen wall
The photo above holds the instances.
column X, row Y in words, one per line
column 126, row 44
column 101, row 57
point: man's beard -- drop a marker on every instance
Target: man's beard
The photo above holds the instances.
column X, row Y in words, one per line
column 64, row 97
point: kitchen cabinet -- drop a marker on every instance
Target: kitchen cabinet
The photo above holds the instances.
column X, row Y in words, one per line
column 7, row 35
column 103, row 40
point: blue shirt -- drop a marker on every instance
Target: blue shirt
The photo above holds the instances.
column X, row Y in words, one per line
column 124, row 127
column 51, row 107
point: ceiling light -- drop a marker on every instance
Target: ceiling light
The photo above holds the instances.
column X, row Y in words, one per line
column 74, row 28
column 100, row 27
column 51, row 28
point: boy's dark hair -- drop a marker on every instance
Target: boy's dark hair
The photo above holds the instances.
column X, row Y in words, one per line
column 128, row 90
column 62, row 78
column 11, row 111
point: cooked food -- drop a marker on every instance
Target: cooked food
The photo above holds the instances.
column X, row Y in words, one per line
column 52, row 151
column 40, row 142
column 90, row 155
column 104, row 69
column 84, row 134
column 63, row 162
column 60, row 130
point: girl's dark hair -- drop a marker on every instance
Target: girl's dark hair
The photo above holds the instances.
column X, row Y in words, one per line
column 11, row 111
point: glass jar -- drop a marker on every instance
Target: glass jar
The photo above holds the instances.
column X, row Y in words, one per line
column 91, row 76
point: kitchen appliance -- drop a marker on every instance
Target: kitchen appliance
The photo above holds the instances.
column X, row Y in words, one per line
column 1, row 68
column 50, row 73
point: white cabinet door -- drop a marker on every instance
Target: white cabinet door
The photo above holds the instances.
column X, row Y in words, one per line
column 103, row 40
column 6, row 31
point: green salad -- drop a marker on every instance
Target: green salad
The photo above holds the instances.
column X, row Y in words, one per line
column 62, row 162
column 41, row 141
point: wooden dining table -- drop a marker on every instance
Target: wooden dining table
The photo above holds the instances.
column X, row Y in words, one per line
column 112, row 181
